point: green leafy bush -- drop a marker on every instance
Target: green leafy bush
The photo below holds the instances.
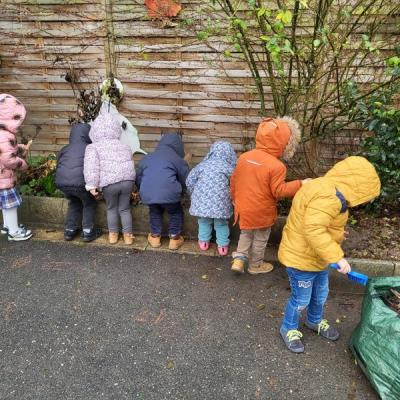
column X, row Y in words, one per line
column 382, row 149
column 39, row 178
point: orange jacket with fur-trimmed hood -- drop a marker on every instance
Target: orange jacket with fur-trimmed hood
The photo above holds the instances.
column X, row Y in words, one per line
column 315, row 226
column 258, row 180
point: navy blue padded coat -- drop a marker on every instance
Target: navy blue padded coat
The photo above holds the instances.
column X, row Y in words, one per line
column 161, row 175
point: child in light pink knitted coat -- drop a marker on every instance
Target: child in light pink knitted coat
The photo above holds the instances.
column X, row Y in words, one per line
column 109, row 167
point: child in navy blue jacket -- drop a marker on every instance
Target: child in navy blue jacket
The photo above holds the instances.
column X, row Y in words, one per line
column 70, row 180
column 161, row 178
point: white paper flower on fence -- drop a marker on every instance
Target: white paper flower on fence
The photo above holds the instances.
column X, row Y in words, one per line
column 112, row 92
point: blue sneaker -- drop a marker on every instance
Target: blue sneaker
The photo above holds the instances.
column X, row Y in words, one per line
column 292, row 339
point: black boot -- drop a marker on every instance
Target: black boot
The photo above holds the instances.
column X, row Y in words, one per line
column 69, row 234
column 92, row 235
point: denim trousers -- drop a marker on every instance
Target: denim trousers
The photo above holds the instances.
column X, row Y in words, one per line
column 175, row 213
column 309, row 290
column 221, row 227
column 80, row 203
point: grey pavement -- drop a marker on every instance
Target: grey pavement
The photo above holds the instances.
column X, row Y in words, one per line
column 84, row 322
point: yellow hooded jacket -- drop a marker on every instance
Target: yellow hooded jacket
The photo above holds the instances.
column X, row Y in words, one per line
column 315, row 226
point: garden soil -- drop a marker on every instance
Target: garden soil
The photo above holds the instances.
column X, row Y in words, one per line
column 373, row 237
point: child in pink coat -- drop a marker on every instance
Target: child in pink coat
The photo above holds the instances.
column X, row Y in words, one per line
column 12, row 114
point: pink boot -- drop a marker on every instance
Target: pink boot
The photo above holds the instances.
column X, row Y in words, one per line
column 223, row 250
column 204, row 245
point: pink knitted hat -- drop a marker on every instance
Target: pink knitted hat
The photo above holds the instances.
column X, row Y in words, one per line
column 12, row 113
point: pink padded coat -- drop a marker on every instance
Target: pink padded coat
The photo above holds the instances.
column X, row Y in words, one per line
column 12, row 114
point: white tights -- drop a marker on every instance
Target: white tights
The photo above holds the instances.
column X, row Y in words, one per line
column 10, row 219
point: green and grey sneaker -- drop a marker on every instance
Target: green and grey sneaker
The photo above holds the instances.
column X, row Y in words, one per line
column 292, row 339
column 324, row 329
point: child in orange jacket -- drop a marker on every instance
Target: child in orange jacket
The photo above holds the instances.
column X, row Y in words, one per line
column 257, row 183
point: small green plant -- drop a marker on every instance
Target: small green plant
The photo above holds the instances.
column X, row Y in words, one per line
column 39, row 178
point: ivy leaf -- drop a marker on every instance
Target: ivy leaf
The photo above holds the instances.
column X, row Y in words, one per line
column 202, row 35
column 316, row 43
column 263, row 11
column 285, row 16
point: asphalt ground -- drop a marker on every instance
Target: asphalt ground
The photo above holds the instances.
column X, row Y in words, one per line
column 85, row 322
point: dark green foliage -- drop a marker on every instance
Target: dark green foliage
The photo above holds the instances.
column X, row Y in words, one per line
column 383, row 149
column 39, row 179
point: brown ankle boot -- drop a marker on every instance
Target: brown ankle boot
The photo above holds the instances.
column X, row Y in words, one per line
column 113, row 237
column 128, row 238
column 176, row 242
column 154, row 241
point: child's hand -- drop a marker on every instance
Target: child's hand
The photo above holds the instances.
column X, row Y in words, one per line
column 344, row 266
column 188, row 157
column 346, row 235
column 304, row 181
column 94, row 192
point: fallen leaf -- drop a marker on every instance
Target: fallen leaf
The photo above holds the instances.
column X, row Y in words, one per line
column 160, row 317
column 260, row 306
column 170, row 364
column 28, row 284
column 21, row 262
column 204, row 277
column 142, row 316
column 8, row 310
column 248, row 326
column 337, row 320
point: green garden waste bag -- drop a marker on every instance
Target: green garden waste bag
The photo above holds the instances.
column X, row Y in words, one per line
column 375, row 342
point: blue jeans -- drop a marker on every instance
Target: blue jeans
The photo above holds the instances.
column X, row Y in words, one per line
column 221, row 227
column 309, row 290
column 175, row 212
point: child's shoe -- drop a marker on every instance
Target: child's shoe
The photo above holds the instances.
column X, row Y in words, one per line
column 175, row 242
column 128, row 238
column 223, row 250
column 4, row 230
column 154, row 240
column 238, row 265
column 93, row 234
column 20, row 235
column 69, row 234
column 263, row 268
column 204, row 245
column 324, row 329
column 292, row 339
column 113, row 237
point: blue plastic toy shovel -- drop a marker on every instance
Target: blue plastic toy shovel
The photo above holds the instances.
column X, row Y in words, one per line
column 353, row 275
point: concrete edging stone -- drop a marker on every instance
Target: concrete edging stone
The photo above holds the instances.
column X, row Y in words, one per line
column 50, row 212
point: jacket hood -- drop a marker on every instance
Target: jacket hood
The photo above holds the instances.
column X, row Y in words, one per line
column 272, row 136
column 173, row 141
column 222, row 151
column 356, row 178
column 105, row 127
column 12, row 113
column 80, row 133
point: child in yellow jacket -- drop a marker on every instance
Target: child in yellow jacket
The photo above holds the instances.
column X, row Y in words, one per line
column 311, row 240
